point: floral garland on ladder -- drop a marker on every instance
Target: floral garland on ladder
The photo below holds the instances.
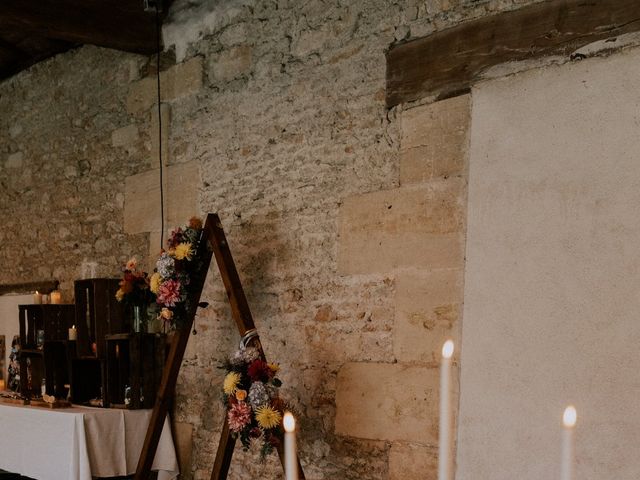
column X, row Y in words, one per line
column 172, row 276
column 251, row 396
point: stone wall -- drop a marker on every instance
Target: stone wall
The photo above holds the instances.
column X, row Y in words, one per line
column 346, row 220
column 63, row 165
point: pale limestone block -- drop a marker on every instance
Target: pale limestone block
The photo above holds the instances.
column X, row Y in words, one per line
column 165, row 112
column 419, row 226
column 142, row 197
column 184, row 79
column 435, row 140
column 384, row 401
column 154, row 249
column 178, row 81
column 125, row 136
column 410, row 460
column 15, row 160
column 428, row 307
column 232, row 63
column 183, row 439
column 142, row 94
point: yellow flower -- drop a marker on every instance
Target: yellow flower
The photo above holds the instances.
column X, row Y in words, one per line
column 154, row 282
column 241, row 395
column 230, row 384
column 267, row 417
column 182, row 251
column 119, row 295
column 275, row 368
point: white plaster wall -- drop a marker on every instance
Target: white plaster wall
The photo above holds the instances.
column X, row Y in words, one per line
column 9, row 325
column 552, row 283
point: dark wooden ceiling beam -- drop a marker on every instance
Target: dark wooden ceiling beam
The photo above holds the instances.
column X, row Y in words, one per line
column 121, row 24
column 27, row 51
column 451, row 60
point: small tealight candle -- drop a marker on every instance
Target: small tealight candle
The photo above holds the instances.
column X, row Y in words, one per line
column 290, row 455
column 56, row 297
column 73, row 333
column 37, row 298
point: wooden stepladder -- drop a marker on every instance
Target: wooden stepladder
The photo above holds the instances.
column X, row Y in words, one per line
column 212, row 242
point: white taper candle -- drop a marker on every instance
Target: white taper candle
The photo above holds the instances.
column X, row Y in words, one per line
column 568, row 443
column 290, row 454
column 444, row 443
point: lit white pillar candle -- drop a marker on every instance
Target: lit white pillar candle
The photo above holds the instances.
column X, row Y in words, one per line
column 444, row 443
column 73, row 333
column 37, row 298
column 568, row 443
column 290, row 455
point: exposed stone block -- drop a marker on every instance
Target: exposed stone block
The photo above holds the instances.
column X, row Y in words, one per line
column 428, row 306
column 435, row 140
column 142, row 197
column 15, row 130
column 125, row 136
column 183, row 439
column 165, row 112
column 232, row 63
column 407, row 460
column 420, row 226
column 185, row 78
column 178, row 81
column 384, row 401
column 15, row 160
column 234, row 34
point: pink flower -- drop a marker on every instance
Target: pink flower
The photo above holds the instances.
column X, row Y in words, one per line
column 169, row 293
column 131, row 264
column 239, row 416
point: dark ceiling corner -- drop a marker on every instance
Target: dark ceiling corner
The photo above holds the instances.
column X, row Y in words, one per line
column 33, row 30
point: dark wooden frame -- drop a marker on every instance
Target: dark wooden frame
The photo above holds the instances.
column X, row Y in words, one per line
column 212, row 242
column 45, row 286
column 244, row 321
column 448, row 62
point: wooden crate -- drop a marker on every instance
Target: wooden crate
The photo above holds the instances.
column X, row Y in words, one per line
column 88, row 380
column 50, row 360
column 55, row 320
column 134, row 360
column 98, row 314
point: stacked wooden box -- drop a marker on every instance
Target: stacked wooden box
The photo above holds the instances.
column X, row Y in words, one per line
column 103, row 365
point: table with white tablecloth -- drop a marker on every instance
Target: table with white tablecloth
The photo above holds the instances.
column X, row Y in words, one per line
column 79, row 443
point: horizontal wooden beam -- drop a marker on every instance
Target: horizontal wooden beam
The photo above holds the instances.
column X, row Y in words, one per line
column 27, row 52
column 121, row 24
column 451, row 60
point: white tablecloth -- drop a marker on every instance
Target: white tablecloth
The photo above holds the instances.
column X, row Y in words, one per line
column 79, row 443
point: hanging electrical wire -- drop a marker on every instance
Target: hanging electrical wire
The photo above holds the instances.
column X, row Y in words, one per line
column 158, row 46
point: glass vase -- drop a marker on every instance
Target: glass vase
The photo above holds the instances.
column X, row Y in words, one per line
column 139, row 321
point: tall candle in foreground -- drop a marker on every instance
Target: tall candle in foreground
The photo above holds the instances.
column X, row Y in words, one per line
column 444, row 442
column 290, row 455
column 568, row 443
